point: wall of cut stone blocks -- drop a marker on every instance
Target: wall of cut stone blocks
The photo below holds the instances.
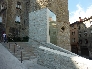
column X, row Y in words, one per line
column 54, row 59
column 39, row 25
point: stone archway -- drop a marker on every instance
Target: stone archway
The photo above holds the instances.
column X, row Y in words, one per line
column 60, row 8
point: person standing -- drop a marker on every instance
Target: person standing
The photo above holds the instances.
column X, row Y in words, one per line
column 4, row 37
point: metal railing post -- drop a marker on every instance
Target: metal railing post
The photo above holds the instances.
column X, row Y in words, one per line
column 21, row 56
column 9, row 45
column 14, row 49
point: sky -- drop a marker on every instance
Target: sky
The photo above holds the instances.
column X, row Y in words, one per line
column 51, row 14
column 79, row 8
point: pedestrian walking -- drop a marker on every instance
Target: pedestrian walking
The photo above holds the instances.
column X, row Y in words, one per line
column 4, row 37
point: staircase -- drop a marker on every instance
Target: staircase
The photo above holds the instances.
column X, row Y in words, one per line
column 22, row 51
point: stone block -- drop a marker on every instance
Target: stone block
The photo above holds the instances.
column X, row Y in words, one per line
column 38, row 22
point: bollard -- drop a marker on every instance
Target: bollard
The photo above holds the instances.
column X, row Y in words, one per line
column 9, row 45
column 21, row 56
column 14, row 49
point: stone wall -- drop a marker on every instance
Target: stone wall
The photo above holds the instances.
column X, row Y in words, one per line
column 54, row 59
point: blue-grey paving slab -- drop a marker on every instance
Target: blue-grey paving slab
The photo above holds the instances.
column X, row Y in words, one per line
column 8, row 61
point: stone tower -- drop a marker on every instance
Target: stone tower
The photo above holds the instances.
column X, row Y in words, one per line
column 60, row 9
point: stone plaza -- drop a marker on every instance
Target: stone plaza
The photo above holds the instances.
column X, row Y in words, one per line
column 47, row 54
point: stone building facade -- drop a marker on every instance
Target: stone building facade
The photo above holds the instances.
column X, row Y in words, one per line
column 85, row 38
column 81, row 37
column 83, row 41
column 16, row 19
column 75, row 35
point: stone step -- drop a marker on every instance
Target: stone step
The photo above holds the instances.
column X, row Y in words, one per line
column 23, row 58
column 18, row 56
column 27, row 54
column 14, row 54
column 19, row 59
column 10, row 51
column 24, row 52
column 23, row 55
column 32, row 57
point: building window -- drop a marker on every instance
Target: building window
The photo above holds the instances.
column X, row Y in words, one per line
column 79, row 27
column 72, row 26
column 17, row 19
column 62, row 29
column 2, row 7
column 24, row 22
column 85, row 33
column 79, row 34
column 90, row 22
column 0, row 19
column 80, row 41
column 86, row 41
column 73, row 33
column 73, row 40
column 18, row 6
column 91, row 31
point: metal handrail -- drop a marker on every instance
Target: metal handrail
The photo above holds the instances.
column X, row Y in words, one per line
column 20, row 48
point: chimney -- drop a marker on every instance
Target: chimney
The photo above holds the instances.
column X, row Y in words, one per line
column 80, row 19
